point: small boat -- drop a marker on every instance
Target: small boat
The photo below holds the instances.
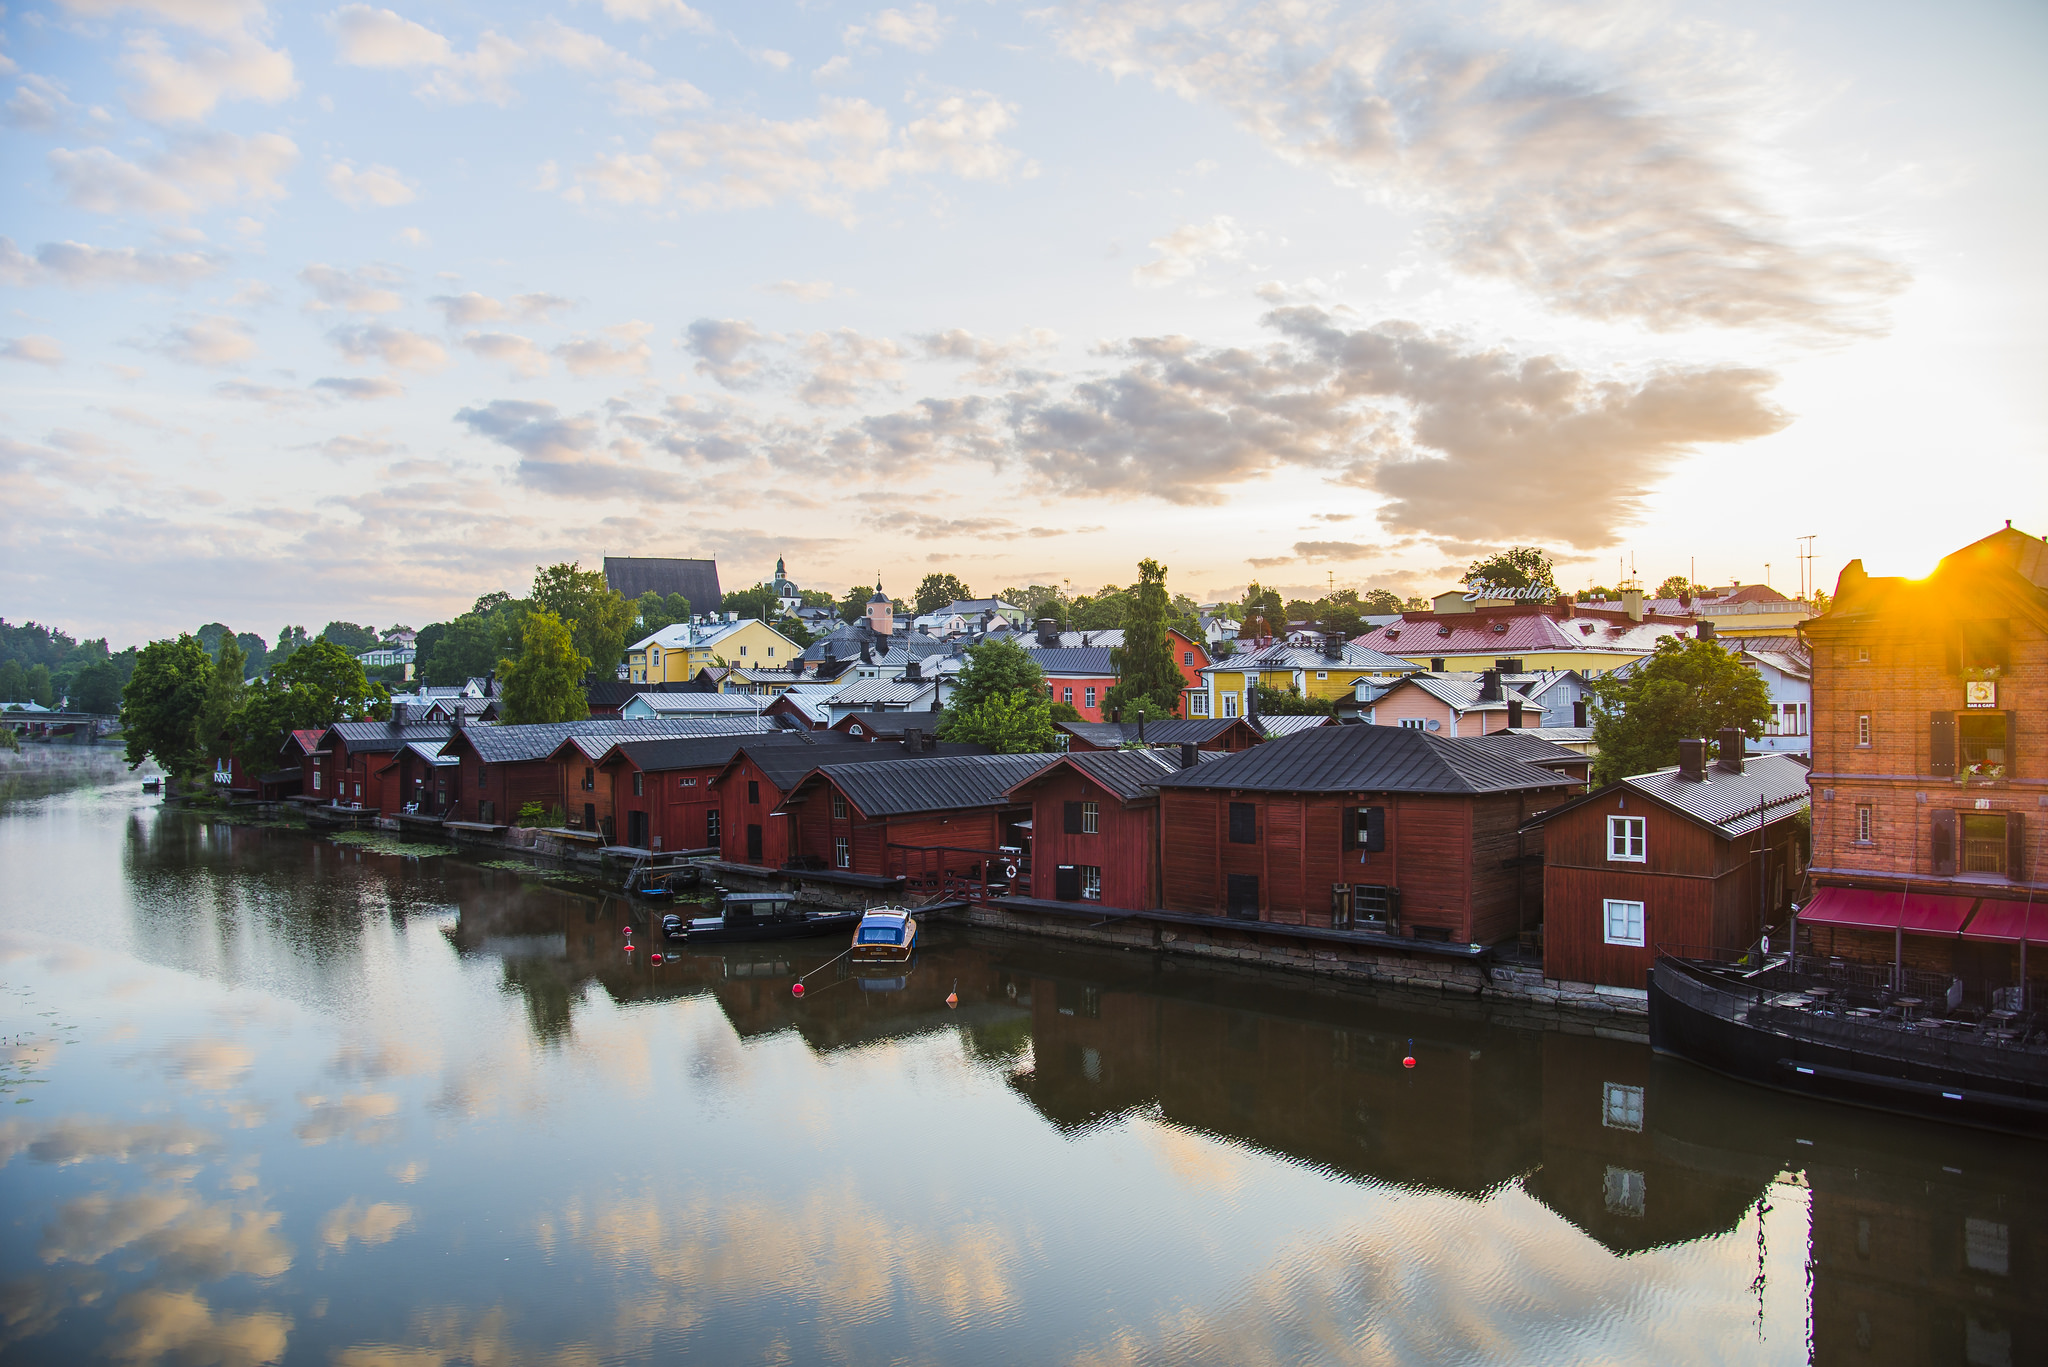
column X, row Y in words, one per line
column 758, row 916
column 654, row 892
column 888, row 934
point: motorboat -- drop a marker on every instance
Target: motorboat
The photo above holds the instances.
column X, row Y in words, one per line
column 758, row 916
column 885, row 934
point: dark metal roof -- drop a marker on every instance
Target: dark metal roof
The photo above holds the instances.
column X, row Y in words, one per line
column 1380, row 759
column 696, row 752
column 513, row 744
column 1727, row 802
column 1082, row 661
column 616, row 693
column 933, row 783
column 1130, row 774
column 894, row 723
column 382, row 738
column 1172, row 731
column 696, row 580
column 1521, row 746
column 784, row 765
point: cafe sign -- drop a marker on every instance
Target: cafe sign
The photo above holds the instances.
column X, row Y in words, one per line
column 1980, row 693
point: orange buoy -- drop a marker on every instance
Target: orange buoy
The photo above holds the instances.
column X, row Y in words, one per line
column 952, row 999
column 796, row 989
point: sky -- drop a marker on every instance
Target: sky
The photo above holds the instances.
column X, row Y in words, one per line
column 351, row 312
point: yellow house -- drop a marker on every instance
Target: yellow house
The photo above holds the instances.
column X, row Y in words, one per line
column 676, row 652
column 1329, row 672
column 1520, row 638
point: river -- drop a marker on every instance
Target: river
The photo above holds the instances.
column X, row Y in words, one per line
column 272, row 1098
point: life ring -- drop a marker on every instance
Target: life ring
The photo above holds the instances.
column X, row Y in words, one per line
column 1010, row 871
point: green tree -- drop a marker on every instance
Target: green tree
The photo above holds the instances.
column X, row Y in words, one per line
column 350, row 637
column 1285, row 702
column 211, row 635
column 491, row 602
column 289, row 639
column 1379, row 602
column 1682, row 689
column 1063, row 711
column 1106, row 608
column 1039, row 600
column 854, row 605
column 13, row 683
column 1147, row 672
column 97, row 689
column 1678, row 586
column 758, row 602
column 1261, row 612
column 597, row 616
column 40, row 687
column 658, row 611
column 546, row 682
column 818, row 598
column 1009, row 724
column 316, row 686
column 223, row 698
column 935, row 591
column 799, row 634
column 162, row 705
column 254, row 651
column 466, row 648
column 1823, row 601
column 1517, row 567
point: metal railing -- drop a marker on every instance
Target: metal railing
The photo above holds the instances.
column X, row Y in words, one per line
column 957, row 871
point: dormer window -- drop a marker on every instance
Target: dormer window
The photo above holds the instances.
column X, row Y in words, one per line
column 1443, row 630
column 1500, row 628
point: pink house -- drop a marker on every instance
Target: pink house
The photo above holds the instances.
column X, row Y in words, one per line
column 1453, row 705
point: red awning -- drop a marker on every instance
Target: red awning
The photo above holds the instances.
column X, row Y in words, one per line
column 1919, row 912
column 2008, row 921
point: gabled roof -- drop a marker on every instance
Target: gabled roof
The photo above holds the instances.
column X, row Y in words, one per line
column 633, row 575
column 891, row 723
column 594, row 744
column 702, row 704
column 1461, row 694
column 307, row 741
column 616, row 693
column 1727, row 802
column 1524, row 633
column 1520, row 745
column 1792, row 666
column 932, row 784
column 1171, row 731
column 517, row 744
column 382, row 738
column 1382, row 759
column 1129, row 774
column 1090, row 662
column 1280, row 655
column 1290, row 724
column 1559, row 735
column 692, row 752
column 868, row 691
column 698, row 635
column 784, row 765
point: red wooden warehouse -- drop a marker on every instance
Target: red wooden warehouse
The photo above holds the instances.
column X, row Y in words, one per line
column 926, row 818
column 1688, row 859
column 1095, row 824
column 1368, row 828
column 753, row 828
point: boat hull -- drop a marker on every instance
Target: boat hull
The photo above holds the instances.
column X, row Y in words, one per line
column 808, row 928
column 1831, row 1072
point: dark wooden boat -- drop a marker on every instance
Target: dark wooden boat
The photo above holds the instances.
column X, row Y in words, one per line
column 1843, row 1034
column 885, row 935
column 762, row 916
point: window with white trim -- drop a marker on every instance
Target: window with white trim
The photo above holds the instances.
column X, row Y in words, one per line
column 1621, row 1107
column 1863, row 729
column 1230, row 704
column 1198, row 704
column 1091, row 817
column 1091, row 883
column 842, row 852
column 1322, row 673
column 1865, row 826
column 1067, row 696
column 1413, row 724
column 1088, row 697
column 1624, row 922
column 839, row 806
column 1628, row 838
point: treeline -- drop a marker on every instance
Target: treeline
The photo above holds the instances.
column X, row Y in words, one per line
column 44, row 666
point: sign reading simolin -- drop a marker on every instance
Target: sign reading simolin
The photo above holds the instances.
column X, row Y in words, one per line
column 1476, row 589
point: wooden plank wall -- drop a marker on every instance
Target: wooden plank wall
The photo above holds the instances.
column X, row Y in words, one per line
column 1122, row 846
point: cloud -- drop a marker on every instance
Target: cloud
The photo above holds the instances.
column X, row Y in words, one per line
column 1605, row 184
column 378, row 185
column 207, row 16
column 34, row 348
column 627, row 353
column 362, row 290
column 1316, row 552
column 382, row 39
column 345, row 448
column 845, row 364
column 850, row 147
column 810, row 291
column 186, row 87
column 721, row 346
column 212, row 341
column 1182, row 251
column 378, row 1223
column 196, row 172
column 35, row 106
column 400, row 348
column 564, row 455
column 80, row 265
column 665, row 13
column 509, row 349
column 360, row 389
column 180, row 1326
column 656, row 99
column 993, row 362
column 918, row 28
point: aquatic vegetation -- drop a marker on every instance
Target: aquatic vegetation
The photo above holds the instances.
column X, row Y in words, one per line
column 379, row 843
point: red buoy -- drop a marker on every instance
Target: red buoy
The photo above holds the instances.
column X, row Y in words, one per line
column 1408, row 1062
column 796, row 989
column 654, row 958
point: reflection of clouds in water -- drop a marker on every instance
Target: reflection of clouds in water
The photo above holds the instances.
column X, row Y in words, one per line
column 716, row 1057
column 191, row 1238
column 84, row 1138
column 410, row 1172
column 1194, row 1159
column 182, row 1327
column 443, row 1337
column 384, row 1059
column 31, row 1307
column 365, row 1117
column 210, row 1064
column 378, row 1223
column 244, row 1114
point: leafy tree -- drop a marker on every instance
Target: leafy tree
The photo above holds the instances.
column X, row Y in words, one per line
column 316, row 686
column 1063, row 711
column 350, row 637
column 471, row 646
column 1008, row 723
column 97, row 688
column 289, row 639
column 41, row 689
column 1261, row 612
column 210, row 637
column 1690, row 688
column 162, row 705
column 658, row 611
column 491, row 602
column 1040, row 600
column 758, row 602
column 1678, row 586
column 799, row 634
column 1109, row 606
column 1823, row 601
column 937, row 590
column 1300, row 610
column 1379, row 602
column 1285, row 702
column 597, row 615
column 1517, row 567
column 223, row 698
column 854, row 605
column 254, row 651
column 13, row 683
column 818, row 598
column 1147, row 674
column 546, row 682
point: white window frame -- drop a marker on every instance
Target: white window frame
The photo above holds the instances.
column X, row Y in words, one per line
column 743, row 651
column 1088, row 697
column 1863, row 730
column 1091, row 882
column 1628, row 839
column 842, row 852
column 1067, row 696
column 1230, row 704
column 839, row 806
column 1412, row 724
column 1198, row 704
column 1632, row 929
column 1322, row 673
column 771, row 652
column 1621, row 1106
column 1866, row 824
column 1091, row 818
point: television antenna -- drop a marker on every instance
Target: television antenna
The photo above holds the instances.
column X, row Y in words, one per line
column 1806, row 584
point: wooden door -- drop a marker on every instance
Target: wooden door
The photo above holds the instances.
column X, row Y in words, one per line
column 1067, row 883
column 754, row 844
column 1241, row 900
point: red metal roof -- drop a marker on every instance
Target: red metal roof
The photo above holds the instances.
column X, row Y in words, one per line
column 1919, row 912
column 2009, row 921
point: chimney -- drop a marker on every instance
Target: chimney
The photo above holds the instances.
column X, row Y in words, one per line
column 1706, row 631
column 1692, row 760
column 1141, row 726
column 1489, row 686
column 1632, row 604
column 913, row 740
column 913, row 672
column 1579, row 712
column 1731, row 750
column 1048, row 632
column 1514, row 714
column 831, row 650
column 1189, row 755
column 398, row 715
column 1333, row 647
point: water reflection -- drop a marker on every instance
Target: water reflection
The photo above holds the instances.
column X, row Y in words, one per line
column 305, row 1102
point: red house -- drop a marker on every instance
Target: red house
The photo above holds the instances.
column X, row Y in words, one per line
column 504, row 768
column 1095, row 824
column 753, row 827
column 658, row 794
column 1693, row 857
column 1364, row 828
column 1204, row 733
column 945, row 816
column 358, row 769
column 306, row 747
